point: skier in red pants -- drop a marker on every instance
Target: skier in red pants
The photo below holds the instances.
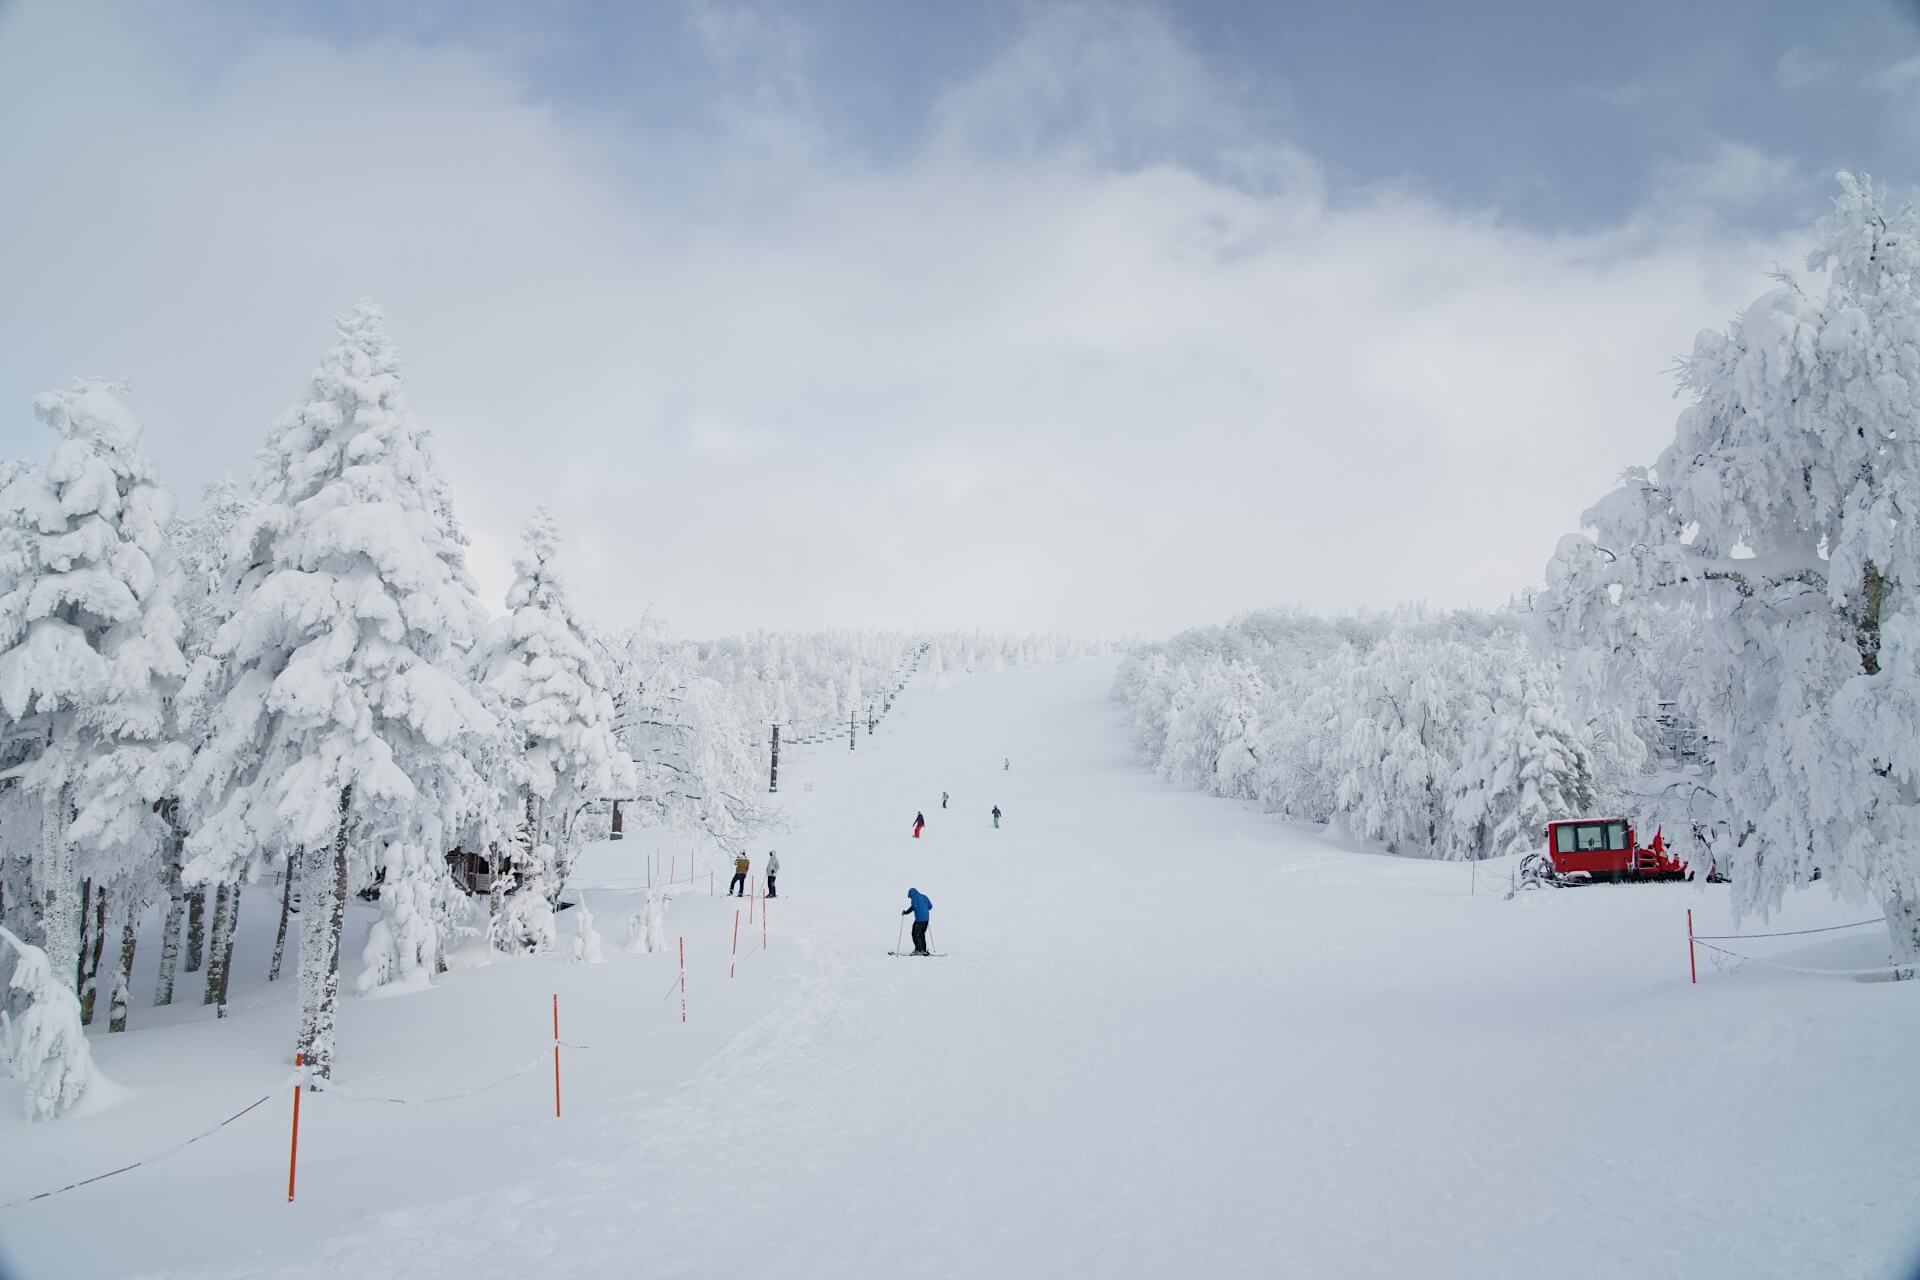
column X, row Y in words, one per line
column 919, row 821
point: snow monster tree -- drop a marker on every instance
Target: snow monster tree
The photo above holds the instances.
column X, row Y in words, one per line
column 340, row 725
column 1783, row 525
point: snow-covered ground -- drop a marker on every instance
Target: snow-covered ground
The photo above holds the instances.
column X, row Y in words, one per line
column 1170, row 1036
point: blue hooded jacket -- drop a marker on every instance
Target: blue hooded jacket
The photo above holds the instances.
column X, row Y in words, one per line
column 922, row 905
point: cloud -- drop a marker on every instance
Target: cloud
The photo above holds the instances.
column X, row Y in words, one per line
column 1098, row 352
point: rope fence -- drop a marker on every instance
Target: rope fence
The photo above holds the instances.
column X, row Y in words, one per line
column 1785, row 933
column 1890, row 972
column 175, row 1149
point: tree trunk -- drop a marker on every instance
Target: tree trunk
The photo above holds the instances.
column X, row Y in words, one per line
column 226, row 914
column 80, row 961
column 1866, row 625
column 196, row 927
column 1903, row 926
column 90, row 956
column 58, row 890
column 123, row 974
column 176, row 909
column 324, row 905
column 286, row 909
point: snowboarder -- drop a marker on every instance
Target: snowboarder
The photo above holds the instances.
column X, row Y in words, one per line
column 773, row 869
column 920, row 907
column 919, row 821
column 943, row 799
column 738, row 887
column 996, row 817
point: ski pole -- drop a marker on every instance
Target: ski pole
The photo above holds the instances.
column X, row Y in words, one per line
column 900, row 938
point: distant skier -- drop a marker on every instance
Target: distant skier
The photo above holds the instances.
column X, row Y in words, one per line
column 738, row 887
column 919, row 821
column 943, row 799
column 920, row 907
column 773, row 869
column 996, row 817
column 1007, row 763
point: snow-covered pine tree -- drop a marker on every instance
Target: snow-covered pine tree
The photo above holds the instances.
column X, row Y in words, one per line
column 199, row 549
column 89, row 656
column 1403, row 724
column 546, row 677
column 336, row 707
column 1783, row 523
column 1522, row 765
column 41, row 1039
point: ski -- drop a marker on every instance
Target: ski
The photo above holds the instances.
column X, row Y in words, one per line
column 930, row 954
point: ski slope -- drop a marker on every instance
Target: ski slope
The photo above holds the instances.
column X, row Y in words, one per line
column 1170, row 1036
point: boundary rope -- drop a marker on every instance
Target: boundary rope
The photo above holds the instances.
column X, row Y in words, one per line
column 1785, row 933
column 349, row 1094
column 153, row 1159
column 1903, row 971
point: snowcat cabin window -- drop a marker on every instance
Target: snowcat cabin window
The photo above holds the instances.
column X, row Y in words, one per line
column 1616, row 835
column 1563, row 839
column 1589, row 837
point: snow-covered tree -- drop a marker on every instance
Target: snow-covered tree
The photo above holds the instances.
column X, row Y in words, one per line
column 1436, row 735
column 89, row 656
column 1522, row 764
column 199, row 550
column 1783, row 526
column 41, row 1040
column 336, row 709
column 545, row 676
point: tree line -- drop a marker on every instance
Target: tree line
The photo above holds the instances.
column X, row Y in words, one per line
column 1730, row 647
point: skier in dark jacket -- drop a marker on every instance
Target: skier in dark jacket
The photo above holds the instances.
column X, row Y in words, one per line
column 919, row 821
column 920, row 907
column 996, row 817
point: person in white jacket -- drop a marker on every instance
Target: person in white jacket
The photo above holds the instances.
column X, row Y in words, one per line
column 773, row 869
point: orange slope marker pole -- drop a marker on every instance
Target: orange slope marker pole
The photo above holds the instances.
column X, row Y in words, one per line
column 731, row 965
column 1693, row 965
column 293, row 1156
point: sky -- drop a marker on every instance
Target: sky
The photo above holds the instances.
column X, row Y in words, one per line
column 1108, row 319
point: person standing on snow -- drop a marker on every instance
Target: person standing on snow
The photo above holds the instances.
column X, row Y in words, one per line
column 1007, row 764
column 996, row 817
column 773, row 869
column 919, row 821
column 920, row 907
column 738, row 888
column 943, row 799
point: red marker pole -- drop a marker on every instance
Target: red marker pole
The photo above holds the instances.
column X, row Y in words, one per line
column 763, row 924
column 736, row 942
column 683, row 979
column 1693, row 966
column 556, row 1055
column 293, row 1156
column 752, row 893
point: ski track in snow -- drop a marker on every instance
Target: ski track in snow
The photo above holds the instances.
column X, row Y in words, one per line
column 1169, row 1039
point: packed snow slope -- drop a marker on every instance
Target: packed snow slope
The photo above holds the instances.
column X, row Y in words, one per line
column 1169, row 1036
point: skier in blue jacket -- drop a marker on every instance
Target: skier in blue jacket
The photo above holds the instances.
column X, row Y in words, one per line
column 920, row 906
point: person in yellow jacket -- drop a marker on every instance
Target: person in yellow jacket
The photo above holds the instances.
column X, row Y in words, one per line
column 738, row 889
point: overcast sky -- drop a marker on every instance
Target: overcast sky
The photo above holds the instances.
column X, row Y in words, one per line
column 1104, row 318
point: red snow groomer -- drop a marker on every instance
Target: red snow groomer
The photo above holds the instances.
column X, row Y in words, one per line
column 1589, row 850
